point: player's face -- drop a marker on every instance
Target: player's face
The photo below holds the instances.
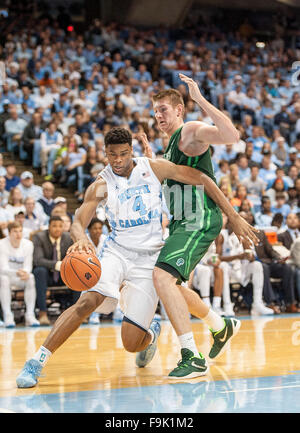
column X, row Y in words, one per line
column 120, row 158
column 166, row 115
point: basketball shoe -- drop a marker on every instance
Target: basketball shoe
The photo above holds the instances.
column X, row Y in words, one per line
column 221, row 338
column 143, row 358
column 28, row 376
column 190, row 366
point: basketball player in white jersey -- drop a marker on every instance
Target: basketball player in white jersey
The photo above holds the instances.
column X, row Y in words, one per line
column 132, row 190
column 240, row 265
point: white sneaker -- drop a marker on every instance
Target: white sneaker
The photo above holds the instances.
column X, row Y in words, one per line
column 31, row 321
column 1, row 324
column 9, row 321
column 260, row 310
column 94, row 319
column 228, row 310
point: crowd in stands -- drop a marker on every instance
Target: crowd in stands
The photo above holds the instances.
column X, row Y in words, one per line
column 64, row 90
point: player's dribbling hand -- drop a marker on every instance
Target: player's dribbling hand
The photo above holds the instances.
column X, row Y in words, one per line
column 194, row 90
column 82, row 246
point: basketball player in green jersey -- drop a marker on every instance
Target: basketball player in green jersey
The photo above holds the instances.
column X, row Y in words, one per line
column 189, row 145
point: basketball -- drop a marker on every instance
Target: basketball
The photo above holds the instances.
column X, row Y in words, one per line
column 80, row 271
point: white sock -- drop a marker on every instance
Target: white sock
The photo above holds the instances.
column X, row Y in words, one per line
column 214, row 321
column 206, row 301
column 42, row 355
column 187, row 342
column 216, row 301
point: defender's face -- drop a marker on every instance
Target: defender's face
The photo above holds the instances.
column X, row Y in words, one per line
column 166, row 115
column 120, row 158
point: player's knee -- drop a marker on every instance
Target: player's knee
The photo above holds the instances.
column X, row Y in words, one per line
column 130, row 345
column 85, row 305
column 161, row 279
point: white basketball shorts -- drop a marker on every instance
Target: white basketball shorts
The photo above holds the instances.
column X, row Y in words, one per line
column 132, row 273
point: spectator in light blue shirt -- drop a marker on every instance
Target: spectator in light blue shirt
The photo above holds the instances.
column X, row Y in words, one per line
column 228, row 154
column 244, row 169
column 265, row 216
column 142, row 74
column 281, row 205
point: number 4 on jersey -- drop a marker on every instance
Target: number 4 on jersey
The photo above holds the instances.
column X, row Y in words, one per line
column 139, row 206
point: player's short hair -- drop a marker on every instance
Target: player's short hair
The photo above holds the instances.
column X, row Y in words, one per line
column 174, row 96
column 118, row 136
column 14, row 225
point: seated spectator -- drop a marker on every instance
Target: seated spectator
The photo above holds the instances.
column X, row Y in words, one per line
column 74, row 159
column 50, row 248
column 280, row 205
column 34, row 219
column 67, row 222
column 61, row 202
column 264, row 217
column 255, row 185
column 277, row 187
column 14, row 127
column 15, row 202
column 277, row 222
column 20, row 218
column 51, row 141
column 240, row 196
column 2, row 169
column 291, row 234
column 16, row 254
column 276, row 267
column 4, row 194
column 241, row 266
column 47, row 201
column 10, row 177
column 28, row 187
column 97, row 238
column 233, row 175
column 243, row 167
column 31, row 139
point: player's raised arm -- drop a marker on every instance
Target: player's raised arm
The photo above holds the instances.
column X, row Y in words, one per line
column 195, row 134
column 164, row 169
column 95, row 193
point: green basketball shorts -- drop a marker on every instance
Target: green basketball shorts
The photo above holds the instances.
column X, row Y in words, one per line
column 184, row 248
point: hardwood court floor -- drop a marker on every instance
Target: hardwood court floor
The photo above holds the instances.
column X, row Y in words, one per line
column 92, row 372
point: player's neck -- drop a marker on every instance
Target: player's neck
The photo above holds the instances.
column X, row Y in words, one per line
column 177, row 124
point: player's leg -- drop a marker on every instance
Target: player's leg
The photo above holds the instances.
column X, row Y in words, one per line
column 104, row 296
column 254, row 272
column 5, row 299
column 139, row 301
column 29, row 299
column 201, row 282
column 63, row 328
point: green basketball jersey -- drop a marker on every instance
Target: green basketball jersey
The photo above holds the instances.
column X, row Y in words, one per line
column 202, row 162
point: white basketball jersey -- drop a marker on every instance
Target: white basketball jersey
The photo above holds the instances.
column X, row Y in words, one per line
column 134, row 207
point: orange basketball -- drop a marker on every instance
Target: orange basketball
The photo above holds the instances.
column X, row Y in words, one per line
column 80, row 271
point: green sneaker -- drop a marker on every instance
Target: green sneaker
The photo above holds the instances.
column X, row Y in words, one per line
column 231, row 328
column 189, row 366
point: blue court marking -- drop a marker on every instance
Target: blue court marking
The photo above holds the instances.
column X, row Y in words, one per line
column 274, row 394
